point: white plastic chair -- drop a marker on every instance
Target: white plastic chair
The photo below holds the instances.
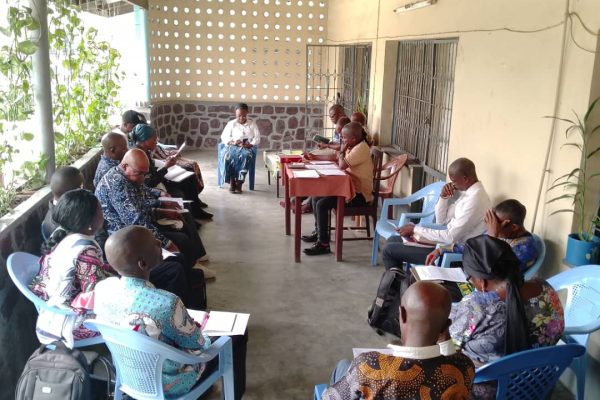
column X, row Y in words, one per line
column 139, row 362
column 386, row 228
column 582, row 312
column 22, row 268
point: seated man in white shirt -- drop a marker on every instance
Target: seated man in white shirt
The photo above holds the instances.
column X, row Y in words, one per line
column 426, row 365
column 240, row 136
column 462, row 207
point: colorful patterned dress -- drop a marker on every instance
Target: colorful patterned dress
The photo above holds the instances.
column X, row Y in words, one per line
column 159, row 314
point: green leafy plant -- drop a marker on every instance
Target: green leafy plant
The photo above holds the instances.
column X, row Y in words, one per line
column 583, row 178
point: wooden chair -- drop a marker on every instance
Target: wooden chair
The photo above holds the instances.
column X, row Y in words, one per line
column 386, row 189
column 370, row 209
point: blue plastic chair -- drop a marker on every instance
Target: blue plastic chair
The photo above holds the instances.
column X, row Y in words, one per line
column 139, row 361
column 22, row 268
column 582, row 311
column 319, row 389
column 386, row 228
column 529, row 374
column 221, row 166
column 531, row 271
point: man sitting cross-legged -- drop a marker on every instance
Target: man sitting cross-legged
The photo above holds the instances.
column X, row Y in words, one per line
column 125, row 201
column 132, row 301
column 462, row 206
column 355, row 158
column 418, row 369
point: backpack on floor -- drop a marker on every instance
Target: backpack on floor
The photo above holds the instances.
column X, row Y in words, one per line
column 54, row 372
column 383, row 315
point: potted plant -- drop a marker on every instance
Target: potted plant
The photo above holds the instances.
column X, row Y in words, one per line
column 583, row 247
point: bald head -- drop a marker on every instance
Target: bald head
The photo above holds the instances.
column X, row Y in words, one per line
column 353, row 130
column 65, row 179
column 135, row 166
column 133, row 251
column 114, row 145
column 359, row 118
column 336, row 112
column 463, row 167
column 424, row 311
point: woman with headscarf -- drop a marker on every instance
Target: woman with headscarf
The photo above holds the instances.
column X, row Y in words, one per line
column 504, row 314
column 145, row 138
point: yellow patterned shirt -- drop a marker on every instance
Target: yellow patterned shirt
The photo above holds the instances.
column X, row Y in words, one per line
column 374, row 375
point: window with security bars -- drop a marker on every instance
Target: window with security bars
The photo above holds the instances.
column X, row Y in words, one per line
column 423, row 102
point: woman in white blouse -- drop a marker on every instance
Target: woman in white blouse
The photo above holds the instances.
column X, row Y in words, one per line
column 239, row 136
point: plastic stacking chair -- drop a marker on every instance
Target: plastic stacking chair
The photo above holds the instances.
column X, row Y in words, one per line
column 139, row 361
column 582, row 311
column 22, row 268
column 319, row 389
column 387, row 227
column 448, row 258
column 529, row 374
column 221, row 166
column 386, row 189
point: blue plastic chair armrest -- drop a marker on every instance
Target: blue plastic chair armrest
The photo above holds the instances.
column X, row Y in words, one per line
column 213, row 351
column 448, row 258
column 396, row 202
column 582, row 329
column 319, row 389
column 404, row 216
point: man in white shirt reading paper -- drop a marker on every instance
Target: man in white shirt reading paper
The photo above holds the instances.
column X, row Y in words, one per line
column 461, row 207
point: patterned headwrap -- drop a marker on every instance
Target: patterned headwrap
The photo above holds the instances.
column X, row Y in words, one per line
column 486, row 257
column 142, row 132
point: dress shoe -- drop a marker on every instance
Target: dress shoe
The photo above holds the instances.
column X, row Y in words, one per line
column 317, row 249
column 201, row 214
column 238, row 187
column 202, row 204
column 313, row 237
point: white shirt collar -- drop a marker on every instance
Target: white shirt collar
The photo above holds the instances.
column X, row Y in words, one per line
column 445, row 348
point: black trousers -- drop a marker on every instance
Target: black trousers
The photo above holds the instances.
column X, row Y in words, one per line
column 170, row 275
column 239, row 344
column 188, row 190
column 187, row 240
column 322, row 206
column 395, row 253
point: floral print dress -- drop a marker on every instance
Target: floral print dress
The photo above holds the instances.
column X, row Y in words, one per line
column 478, row 323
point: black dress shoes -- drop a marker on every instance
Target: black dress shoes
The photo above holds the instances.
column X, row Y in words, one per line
column 313, row 237
column 317, row 249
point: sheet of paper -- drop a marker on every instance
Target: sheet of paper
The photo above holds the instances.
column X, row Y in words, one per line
column 322, row 166
column 177, row 174
column 159, row 164
column 309, row 173
column 180, row 149
column 166, row 254
column 331, row 172
column 238, row 325
column 177, row 200
column 322, row 162
column 358, row 351
column 411, row 241
column 433, row 273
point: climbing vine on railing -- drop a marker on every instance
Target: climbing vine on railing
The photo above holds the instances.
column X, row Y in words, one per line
column 85, row 83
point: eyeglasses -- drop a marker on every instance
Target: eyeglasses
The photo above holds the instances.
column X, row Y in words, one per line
column 137, row 172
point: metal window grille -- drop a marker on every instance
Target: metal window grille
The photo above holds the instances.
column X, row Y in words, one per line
column 335, row 74
column 423, row 102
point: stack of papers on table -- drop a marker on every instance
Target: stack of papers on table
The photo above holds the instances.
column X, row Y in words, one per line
column 322, row 166
column 309, row 173
column 322, row 162
column 331, row 172
column 221, row 323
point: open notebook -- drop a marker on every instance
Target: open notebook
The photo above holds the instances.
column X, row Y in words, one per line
column 221, row 323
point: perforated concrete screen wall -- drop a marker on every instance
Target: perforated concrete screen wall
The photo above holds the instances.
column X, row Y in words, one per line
column 232, row 50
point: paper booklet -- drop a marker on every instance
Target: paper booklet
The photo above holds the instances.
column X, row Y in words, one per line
column 221, row 323
column 434, row 273
column 331, row 172
column 175, row 173
column 322, row 166
column 309, row 173
column 415, row 242
column 177, row 200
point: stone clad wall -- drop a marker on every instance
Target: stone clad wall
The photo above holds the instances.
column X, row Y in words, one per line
column 200, row 124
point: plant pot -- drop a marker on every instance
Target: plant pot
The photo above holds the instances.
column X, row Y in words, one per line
column 581, row 252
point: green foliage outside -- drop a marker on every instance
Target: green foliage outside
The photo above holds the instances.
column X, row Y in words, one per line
column 85, row 82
